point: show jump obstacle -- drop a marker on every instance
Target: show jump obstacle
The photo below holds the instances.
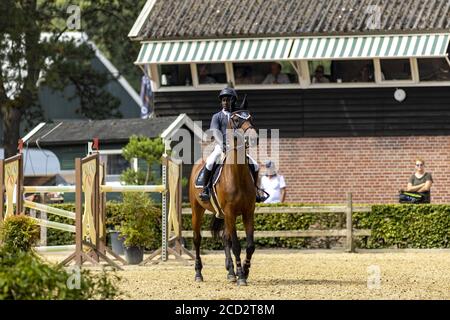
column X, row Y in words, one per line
column 90, row 214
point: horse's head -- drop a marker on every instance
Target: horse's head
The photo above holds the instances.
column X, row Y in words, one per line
column 242, row 124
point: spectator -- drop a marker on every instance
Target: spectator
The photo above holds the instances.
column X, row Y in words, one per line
column 242, row 76
column 273, row 184
column 203, row 77
column 366, row 74
column 275, row 76
column 319, row 75
column 420, row 183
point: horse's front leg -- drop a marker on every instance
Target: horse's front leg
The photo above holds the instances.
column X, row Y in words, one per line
column 228, row 259
column 249, row 232
column 236, row 246
column 197, row 214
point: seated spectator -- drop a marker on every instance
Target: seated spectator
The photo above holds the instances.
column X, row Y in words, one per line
column 419, row 184
column 366, row 74
column 242, row 76
column 319, row 75
column 273, row 184
column 203, row 77
column 275, row 76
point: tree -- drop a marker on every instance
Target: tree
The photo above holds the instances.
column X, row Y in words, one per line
column 33, row 53
column 147, row 149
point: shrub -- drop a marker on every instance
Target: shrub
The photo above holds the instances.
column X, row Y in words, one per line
column 141, row 225
column 19, row 233
column 25, row 276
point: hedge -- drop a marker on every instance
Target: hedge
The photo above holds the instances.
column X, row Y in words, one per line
column 393, row 226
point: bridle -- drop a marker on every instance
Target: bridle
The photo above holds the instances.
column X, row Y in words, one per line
column 243, row 116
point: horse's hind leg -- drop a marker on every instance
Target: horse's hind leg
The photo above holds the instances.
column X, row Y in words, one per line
column 249, row 231
column 197, row 215
column 228, row 259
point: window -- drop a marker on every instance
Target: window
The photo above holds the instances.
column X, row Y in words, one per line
column 175, row 75
column 340, row 71
column 115, row 163
column 211, row 73
column 395, row 69
column 433, row 69
column 264, row 73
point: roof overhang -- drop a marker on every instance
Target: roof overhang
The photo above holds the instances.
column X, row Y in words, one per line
column 295, row 48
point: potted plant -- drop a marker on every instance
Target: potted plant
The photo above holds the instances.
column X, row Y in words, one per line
column 114, row 220
column 140, row 226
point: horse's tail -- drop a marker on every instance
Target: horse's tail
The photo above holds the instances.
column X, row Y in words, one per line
column 216, row 227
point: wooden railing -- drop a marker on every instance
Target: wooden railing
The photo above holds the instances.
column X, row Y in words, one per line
column 346, row 209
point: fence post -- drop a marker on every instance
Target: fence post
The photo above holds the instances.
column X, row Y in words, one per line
column 349, row 212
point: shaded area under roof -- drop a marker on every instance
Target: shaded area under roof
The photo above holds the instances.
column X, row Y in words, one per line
column 174, row 19
column 114, row 130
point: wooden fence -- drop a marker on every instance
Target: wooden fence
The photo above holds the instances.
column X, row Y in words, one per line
column 349, row 232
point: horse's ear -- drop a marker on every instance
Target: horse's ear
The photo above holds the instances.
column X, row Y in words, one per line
column 244, row 104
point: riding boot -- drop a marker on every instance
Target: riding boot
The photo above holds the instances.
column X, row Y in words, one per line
column 205, row 193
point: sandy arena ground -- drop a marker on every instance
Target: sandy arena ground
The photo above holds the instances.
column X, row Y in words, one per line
column 291, row 274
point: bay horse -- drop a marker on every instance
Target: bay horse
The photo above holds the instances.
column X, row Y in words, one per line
column 236, row 195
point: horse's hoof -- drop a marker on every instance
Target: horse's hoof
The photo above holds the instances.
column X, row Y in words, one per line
column 241, row 282
column 198, row 279
column 231, row 278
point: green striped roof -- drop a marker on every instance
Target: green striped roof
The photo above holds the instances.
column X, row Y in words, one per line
column 215, row 50
column 370, row 47
column 273, row 49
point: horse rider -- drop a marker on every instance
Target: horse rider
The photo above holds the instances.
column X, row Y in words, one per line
column 228, row 98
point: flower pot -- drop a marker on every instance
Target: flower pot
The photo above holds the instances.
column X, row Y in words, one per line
column 116, row 242
column 134, row 255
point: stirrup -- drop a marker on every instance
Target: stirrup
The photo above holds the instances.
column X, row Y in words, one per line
column 205, row 195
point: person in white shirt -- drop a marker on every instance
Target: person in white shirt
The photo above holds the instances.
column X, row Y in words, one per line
column 273, row 184
column 275, row 76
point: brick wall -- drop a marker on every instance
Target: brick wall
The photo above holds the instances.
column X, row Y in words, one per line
column 322, row 170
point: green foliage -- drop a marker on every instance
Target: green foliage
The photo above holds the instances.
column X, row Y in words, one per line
column 406, row 226
column 19, row 233
column 129, row 176
column 145, row 148
column 25, row 276
column 141, row 225
column 55, row 62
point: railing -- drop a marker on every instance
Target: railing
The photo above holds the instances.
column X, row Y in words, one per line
column 348, row 232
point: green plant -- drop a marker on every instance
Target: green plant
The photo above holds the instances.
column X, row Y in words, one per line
column 148, row 149
column 141, row 225
column 25, row 276
column 19, row 232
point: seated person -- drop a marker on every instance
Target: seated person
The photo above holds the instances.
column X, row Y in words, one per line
column 365, row 74
column 275, row 76
column 203, row 77
column 242, row 76
column 420, row 182
column 319, row 75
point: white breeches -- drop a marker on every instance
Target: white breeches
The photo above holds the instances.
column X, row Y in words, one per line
column 217, row 152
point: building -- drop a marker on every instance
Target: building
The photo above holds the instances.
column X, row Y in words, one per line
column 365, row 87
